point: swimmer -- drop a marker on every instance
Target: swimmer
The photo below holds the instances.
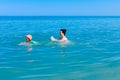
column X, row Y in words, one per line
column 28, row 43
column 62, row 36
column 29, row 39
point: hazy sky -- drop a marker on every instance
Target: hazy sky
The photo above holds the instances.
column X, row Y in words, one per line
column 60, row 7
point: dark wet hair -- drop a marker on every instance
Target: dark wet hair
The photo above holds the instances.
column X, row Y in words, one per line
column 63, row 30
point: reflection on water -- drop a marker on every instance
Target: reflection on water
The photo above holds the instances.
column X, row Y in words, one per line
column 29, row 48
column 63, row 54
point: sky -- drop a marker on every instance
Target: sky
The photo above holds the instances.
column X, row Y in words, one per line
column 59, row 7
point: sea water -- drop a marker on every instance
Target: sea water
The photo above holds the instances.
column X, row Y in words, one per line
column 92, row 54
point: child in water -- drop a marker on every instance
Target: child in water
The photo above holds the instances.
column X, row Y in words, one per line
column 29, row 39
column 62, row 36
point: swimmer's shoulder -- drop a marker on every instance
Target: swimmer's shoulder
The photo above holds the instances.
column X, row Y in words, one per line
column 33, row 42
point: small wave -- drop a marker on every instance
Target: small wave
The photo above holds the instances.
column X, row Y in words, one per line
column 40, row 68
column 32, row 61
column 65, row 43
column 28, row 44
column 25, row 44
column 6, row 67
column 42, row 75
column 112, row 59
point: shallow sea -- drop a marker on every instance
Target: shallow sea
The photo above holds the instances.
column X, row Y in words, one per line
column 92, row 54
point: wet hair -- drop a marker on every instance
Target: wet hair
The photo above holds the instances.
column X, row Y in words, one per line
column 63, row 30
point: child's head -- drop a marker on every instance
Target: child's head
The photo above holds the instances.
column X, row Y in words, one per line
column 63, row 31
column 28, row 37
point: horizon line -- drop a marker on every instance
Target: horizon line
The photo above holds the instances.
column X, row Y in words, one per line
column 59, row 15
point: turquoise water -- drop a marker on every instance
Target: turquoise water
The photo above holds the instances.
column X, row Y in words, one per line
column 93, row 54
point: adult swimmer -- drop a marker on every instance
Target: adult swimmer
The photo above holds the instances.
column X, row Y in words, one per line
column 62, row 36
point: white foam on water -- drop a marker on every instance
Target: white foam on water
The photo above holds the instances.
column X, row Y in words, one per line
column 25, row 44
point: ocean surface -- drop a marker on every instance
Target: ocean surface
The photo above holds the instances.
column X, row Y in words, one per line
column 92, row 54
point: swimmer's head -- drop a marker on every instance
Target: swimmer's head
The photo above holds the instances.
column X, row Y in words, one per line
column 28, row 37
column 63, row 31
